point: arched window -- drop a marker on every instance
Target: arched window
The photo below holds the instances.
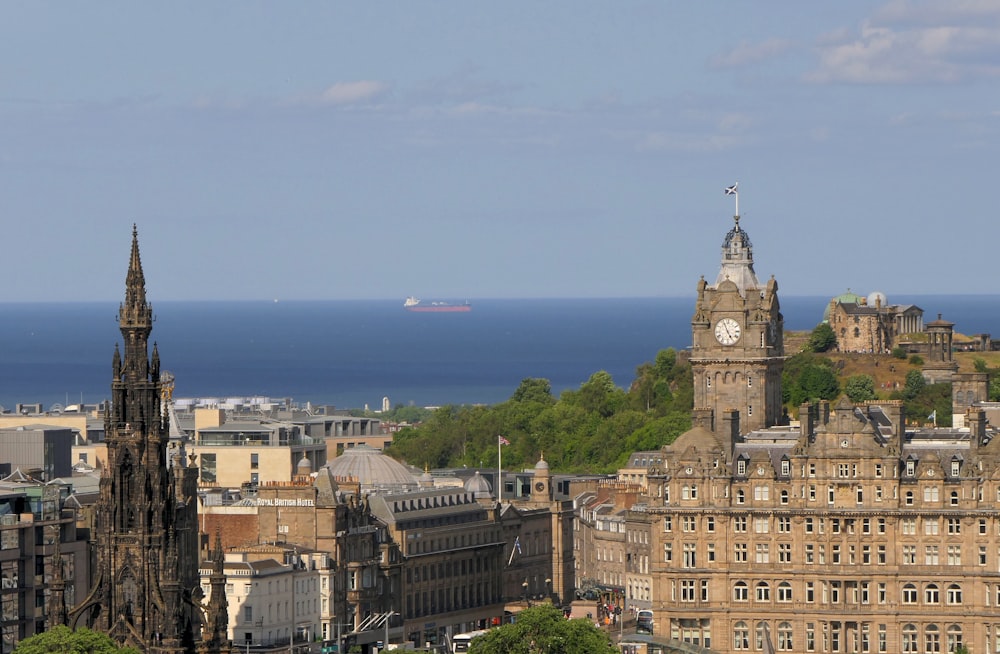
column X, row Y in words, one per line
column 741, row 496
column 909, row 595
column 784, row 592
column 954, row 497
column 740, row 592
column 760, row 633
column 954, row 637
column 909, row 639
column 763, row 592
column 785, row 637
column 931, row 594
column 932, row 639
column 741, row 636
column 954, row 596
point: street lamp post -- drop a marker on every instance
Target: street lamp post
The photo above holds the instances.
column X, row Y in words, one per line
column 548, row 588
column 524, row 586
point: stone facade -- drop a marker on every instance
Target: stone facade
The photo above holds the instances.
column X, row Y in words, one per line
column 737, row 340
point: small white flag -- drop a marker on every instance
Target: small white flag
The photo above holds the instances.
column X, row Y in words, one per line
column 731, row 190
column 933, row 415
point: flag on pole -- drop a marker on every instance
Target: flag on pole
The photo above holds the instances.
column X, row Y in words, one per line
column 731, row 190
column 933, row 415
column 517, row 544
column 503, row 441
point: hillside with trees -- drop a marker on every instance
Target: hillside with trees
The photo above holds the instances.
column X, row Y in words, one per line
column 596, row 427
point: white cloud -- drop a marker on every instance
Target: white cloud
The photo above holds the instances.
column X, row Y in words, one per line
column 745, row 54
column 910, row 42
column 357, row 92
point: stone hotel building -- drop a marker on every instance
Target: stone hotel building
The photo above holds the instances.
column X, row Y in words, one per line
column 845, row 533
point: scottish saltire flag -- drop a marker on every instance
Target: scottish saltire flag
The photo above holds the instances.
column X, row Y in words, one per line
column 517, row 544
column 933, row 415
column 731, row 190
column 503, row 441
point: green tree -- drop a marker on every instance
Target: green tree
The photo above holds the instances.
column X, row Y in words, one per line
column 916, row 360
column 980, row 365
column 860, row 388
column 61, row 639
column 899, row 352
column 543, row 629
column 822, row 338
column 915, row 383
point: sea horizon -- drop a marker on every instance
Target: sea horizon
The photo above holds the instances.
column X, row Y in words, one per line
column 352, row 353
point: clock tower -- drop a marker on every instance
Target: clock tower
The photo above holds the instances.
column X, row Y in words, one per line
column 737, row 351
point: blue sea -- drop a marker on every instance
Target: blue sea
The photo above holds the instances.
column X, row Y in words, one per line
column 353, row 353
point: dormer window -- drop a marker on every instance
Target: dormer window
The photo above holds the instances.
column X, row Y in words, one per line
column 786, row 467
column 911, row 467
column 955, row 467
column 741, row 467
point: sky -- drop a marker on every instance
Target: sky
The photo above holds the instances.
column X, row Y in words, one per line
column 463, row 150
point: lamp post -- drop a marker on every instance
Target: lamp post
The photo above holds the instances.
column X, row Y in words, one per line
column 548, row 588
column 388, row 616
column 524, row 586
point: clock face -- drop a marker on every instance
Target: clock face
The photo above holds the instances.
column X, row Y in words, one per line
column 727, row 331
column 539, row 486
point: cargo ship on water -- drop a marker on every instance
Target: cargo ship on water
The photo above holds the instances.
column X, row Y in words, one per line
column 413, row 304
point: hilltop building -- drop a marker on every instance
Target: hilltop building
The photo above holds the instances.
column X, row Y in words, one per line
column 871, row 324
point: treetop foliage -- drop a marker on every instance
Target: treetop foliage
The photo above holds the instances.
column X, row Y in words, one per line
column 543, row 629
column 590, row 429
column 63, row 640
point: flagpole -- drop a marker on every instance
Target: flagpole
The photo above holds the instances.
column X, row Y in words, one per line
column 499, row 471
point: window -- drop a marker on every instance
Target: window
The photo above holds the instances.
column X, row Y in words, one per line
column 810, row 636
column 932, row 595
column 741, row 467
column 740, row 553
column 954, row 498
column 909, row 594
column 254, row 460
column 909, row 526
column 911, row 467
column 908, row 498
column 687, row 590
column 931, row 555
column 982, row 555
column 809, row 525
column 954, row 637
column 830, row 495
column 786, row 467
column 740, row 592
column 784, row 552
column 784, row 497
column 761, row 553
column 763, row 592
column 955, row 466
column 668, row 552
column 784, row 524
column 208, row 474
column 710, row 552
column 954, row 525
column 688, row 523
column 930, row 526
column 932, row 639
column 809, row 553
column 785, row 637
column 881, row 554
column 784, row 592
column 741, row 636
column 740, row 524
column 741, row 496
column 690, row 558
column 954, row 555
column 761, row 493
column 710, row 524
column 954, row 594
column 909, row 639
column 982, row 526
column 931, row 494
column 761, row 525
column 668, row 523
column 866, row 554
column 810, row 592
column 247, row 613
column 909, row 554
